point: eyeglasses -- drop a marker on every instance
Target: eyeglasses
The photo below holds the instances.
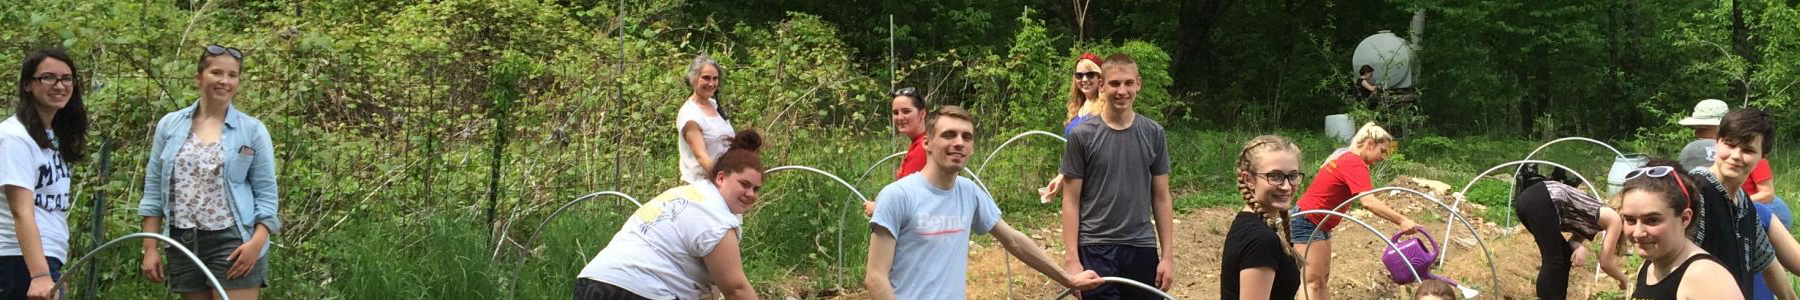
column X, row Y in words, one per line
column 52, row 80
column 906, row 91
column 1086, row 75
column 215, row 49
column 1660, row 172
column 1278, row 178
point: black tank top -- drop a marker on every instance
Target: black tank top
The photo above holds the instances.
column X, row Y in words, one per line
column 1665, row 289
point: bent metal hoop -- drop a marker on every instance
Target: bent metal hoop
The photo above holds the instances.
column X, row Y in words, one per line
column 144, row 235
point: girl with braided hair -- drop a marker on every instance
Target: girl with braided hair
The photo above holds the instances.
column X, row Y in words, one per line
column 1258, row 262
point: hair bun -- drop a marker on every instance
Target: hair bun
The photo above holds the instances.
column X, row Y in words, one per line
column 747, row 140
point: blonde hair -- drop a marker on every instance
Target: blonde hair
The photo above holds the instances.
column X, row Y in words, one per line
column 1434, row 287
column 1252, row 153
column 1076, row 98
column 1370, row 133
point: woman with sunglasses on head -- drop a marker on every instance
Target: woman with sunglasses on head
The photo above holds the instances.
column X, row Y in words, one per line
column 1084, row 102
column 1548, row 207
column 211, row 177
column 908, row 114
column 700, row 121
column 47, row 130
column 1258, row 262
column 1657, row 213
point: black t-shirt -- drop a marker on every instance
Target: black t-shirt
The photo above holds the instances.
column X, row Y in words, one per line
column 1251, row 244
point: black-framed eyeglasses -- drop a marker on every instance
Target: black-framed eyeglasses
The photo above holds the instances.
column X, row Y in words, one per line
column 1660, row 172
column 215, row 49
column 1278, row 178
column 1087, row 75
column 905, row 91
column 52, row 80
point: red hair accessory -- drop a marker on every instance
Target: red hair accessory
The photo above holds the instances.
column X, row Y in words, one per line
column 1089, row 56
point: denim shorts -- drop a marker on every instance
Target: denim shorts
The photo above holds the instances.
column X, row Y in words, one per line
column 1303, row 230
column 214, row 247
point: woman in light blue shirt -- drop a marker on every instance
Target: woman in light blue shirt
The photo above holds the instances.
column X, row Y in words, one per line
column 210, row 185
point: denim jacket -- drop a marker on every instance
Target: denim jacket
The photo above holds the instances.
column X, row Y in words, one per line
column 249, row 169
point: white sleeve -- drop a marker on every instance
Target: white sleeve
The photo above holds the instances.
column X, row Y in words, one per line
column 685, row 115
column 18, row 166
column 702, row 230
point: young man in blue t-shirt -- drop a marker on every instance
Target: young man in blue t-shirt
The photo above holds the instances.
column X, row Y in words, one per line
column 919, row 235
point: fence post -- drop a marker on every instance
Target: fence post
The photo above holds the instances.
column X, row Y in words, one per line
column 99, row 219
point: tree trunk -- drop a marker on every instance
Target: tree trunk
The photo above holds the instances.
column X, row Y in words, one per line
column 1745, row 47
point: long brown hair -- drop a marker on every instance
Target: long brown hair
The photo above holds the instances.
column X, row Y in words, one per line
column 1076, row 98
column 70, row 123
column 1246, row 164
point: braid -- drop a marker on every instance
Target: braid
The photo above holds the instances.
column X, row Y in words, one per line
column 1245, row 165
column 1287, row 235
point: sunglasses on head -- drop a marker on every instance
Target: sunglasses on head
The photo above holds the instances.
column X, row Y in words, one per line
column 1660, row 172
column 906, row 91
column 1087, row 75
column 215, row 49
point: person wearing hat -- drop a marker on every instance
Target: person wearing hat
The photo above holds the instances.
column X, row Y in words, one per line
column 1705, row 122
column 1699, row 154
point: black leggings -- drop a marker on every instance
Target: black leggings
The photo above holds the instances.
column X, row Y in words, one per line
column 588, row 289
column 1539, row 216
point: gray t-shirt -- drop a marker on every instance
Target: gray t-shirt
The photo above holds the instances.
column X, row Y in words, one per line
column 1698, row 153
column 1116, row 168
column 931, row 229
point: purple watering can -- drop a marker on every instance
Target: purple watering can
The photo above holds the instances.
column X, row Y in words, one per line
column 1420, row 254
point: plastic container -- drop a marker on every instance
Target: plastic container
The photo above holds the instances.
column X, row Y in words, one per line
column 1340, row 126
column 1615, row 178
column 1419, row 254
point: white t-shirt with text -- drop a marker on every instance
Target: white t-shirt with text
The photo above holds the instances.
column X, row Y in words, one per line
column 23, row 164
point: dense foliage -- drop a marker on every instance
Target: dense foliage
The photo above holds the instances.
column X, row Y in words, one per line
column 449, row 129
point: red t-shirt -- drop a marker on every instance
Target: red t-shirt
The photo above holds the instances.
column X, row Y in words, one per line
column 1760, row 174
column 1336, row 182
column 914, row 159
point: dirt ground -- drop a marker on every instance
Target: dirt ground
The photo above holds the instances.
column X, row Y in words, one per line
column 1357, row 272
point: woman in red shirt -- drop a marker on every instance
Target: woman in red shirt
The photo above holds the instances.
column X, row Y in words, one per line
column 1342, row 177
column 909, row 119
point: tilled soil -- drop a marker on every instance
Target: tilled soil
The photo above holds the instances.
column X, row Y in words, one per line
column 1357, row 272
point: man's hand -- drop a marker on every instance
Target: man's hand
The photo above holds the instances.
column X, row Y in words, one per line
column 1085, row 280
column 1165, row 274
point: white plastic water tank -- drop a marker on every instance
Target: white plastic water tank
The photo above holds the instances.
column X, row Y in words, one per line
column 1390, row 56
column 1340, row 126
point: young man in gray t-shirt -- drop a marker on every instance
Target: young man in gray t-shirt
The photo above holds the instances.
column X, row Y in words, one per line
column 1115, row 180
column 919, row 235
